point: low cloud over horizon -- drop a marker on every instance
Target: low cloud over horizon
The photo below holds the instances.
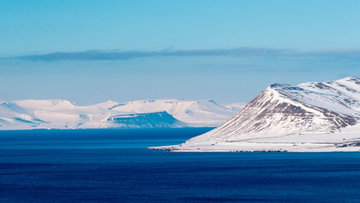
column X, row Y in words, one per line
column 225, row 75
column 235, row 52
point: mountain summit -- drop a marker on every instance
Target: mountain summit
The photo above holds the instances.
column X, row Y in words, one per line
column 314, row 116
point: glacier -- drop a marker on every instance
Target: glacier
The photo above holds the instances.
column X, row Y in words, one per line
column 309, row 117
column 63, row 114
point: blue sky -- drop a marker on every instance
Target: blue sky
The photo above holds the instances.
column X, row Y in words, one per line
column 67, row 25
column 40, row 27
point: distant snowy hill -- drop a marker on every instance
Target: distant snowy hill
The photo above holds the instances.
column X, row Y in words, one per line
column 314, row 116
column 62, row 114
column 195, row 113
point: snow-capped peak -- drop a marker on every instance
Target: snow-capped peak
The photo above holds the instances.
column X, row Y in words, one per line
column 287, row 117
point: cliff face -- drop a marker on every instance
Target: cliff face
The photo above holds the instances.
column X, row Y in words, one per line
column 145, row 120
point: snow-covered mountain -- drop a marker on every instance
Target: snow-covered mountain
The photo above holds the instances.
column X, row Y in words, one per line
column 314, row 116
column 62, row 114
column 195, row 113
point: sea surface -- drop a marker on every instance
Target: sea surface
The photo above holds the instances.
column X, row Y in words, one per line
column 113, row 165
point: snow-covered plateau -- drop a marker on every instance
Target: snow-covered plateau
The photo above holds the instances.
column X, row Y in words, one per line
column 62, row 114
column 309, row 117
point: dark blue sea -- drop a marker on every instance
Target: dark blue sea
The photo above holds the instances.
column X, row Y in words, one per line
column 113, row 165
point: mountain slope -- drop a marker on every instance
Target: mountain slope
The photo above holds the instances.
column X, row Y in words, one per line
column 62, row 114
column 307, row 117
